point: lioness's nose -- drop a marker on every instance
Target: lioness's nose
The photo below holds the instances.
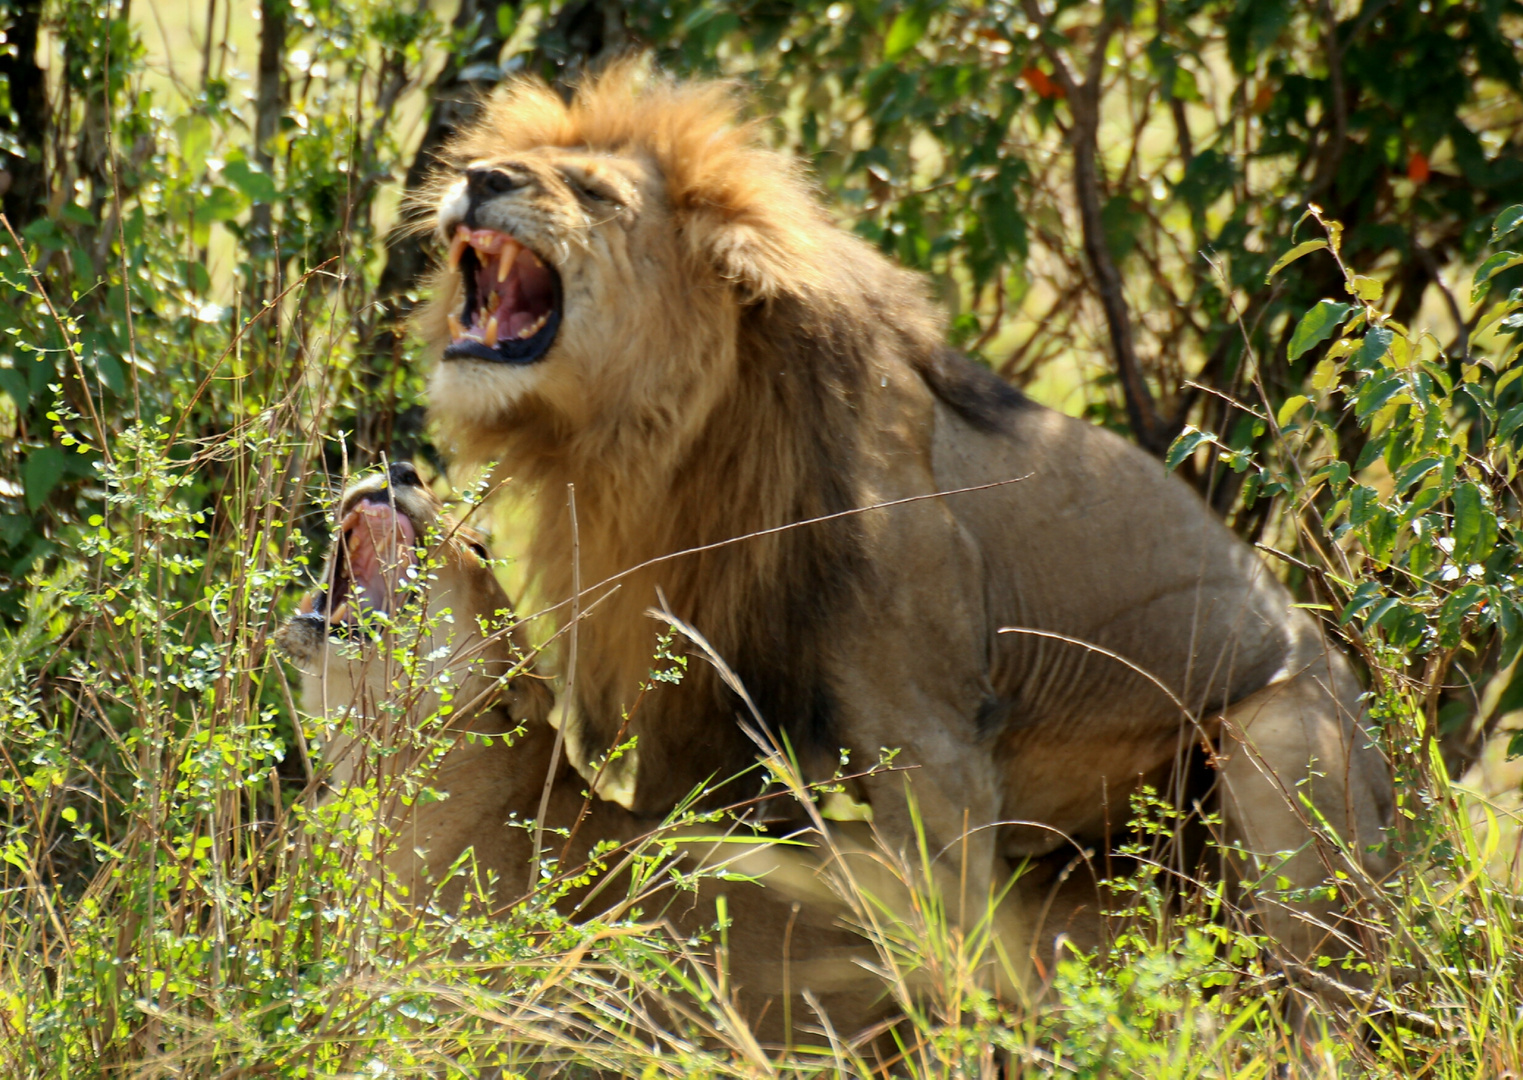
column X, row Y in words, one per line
column 402, row 474
column 483, row 184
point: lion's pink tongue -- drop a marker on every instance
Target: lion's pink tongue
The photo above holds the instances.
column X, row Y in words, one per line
column 380, row 545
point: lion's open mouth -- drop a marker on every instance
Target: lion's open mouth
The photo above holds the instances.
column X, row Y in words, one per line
column 512, row 299
column 378, row 549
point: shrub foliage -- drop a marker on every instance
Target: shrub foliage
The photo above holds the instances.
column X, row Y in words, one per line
column 1275, row 243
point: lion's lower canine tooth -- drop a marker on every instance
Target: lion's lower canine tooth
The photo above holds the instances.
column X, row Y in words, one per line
column 455, row 329
column 489, row 339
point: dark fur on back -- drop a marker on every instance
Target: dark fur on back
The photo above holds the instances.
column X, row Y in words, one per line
column 977, row 394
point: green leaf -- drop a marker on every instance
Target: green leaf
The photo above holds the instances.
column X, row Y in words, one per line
column 1415, row 472
column 1290, row 408
column 220, row 204
column 1502, row 260
column 1375, row 393
column 1374, row 347
column 1510, row 422
column 1365, row 288
column 907, row 30
column 1507, row 222
column 1317, row 325
column 1184, row 87
column 1366, row 594
column 44, row 467
column 1006, row 226
column 1380, row 610
column 1468, row 525
column 14, row 384
column 1293, row 254
column 258, row 186
column 1183, row 447
column 195, row 134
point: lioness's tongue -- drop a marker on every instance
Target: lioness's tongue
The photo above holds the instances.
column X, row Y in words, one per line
column 379, row 542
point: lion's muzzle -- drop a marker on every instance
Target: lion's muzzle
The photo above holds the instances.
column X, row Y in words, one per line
column 512, row 306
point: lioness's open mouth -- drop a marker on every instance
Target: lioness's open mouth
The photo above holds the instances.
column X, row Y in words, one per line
column 512, row 299
column 378, row 549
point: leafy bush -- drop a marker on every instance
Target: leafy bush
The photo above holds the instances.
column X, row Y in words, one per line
column 201, row 342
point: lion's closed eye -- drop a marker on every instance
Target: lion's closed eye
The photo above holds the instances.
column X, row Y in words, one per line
column 588, row 185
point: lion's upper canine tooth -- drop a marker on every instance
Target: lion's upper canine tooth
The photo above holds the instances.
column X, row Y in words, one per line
column 487, row 240
column 489, row 339
column 456, row 249
column 504, row 266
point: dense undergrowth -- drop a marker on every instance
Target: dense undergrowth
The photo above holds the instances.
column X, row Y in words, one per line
column 176, row 906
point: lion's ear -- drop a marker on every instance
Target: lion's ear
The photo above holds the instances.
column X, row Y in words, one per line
column 764, row 258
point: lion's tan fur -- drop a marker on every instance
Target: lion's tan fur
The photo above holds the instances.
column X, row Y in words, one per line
column 730, row 362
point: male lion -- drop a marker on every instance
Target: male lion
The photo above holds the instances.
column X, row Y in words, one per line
column 644, row 304
column 399, row 558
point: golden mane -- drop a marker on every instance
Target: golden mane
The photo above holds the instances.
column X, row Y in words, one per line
column 718, row 170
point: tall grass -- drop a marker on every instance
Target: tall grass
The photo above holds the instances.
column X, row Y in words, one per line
column 179, row 903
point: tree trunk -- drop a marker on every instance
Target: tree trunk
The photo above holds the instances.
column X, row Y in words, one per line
column 269, row 103
column 23, row 179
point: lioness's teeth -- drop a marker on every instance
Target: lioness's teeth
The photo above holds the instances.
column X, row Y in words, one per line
column 534, row 327
column 455, row 329
column 456, row 249
column 489, row 339
column 504, row 264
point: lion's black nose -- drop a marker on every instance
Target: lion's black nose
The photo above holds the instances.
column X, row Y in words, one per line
column 402, row 474
column 484, row 184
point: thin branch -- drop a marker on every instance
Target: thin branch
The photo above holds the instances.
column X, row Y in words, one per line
column 1084, row 101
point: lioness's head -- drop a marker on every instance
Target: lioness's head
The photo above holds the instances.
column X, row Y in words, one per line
column 408, row 608
column 602, row 255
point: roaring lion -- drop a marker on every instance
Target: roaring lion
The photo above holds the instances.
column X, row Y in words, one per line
column 720, row 398
column 424, row 581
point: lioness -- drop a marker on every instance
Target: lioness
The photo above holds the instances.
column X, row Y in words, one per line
column 644, row 303
column 396, row 554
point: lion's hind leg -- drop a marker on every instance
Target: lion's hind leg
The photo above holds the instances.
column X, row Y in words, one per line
column 1305, row 795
